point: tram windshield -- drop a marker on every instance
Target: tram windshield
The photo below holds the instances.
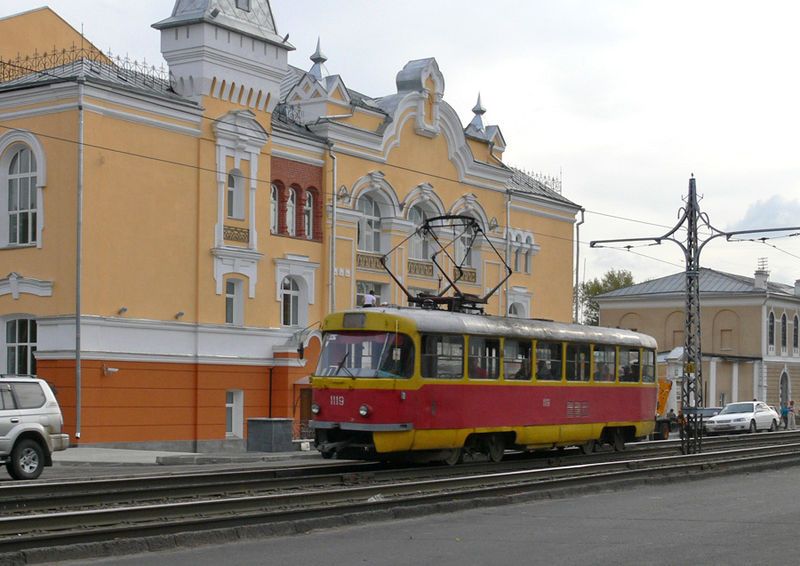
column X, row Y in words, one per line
column 366, row 355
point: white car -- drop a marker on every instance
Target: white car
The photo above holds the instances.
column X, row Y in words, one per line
column 749, row 416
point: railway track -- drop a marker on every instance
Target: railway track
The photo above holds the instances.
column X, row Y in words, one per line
column 125, row 508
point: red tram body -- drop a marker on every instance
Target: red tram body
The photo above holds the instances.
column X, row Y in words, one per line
column 428, row 385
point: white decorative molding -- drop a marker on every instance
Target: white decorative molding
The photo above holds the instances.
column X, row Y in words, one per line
column 137, row 340
column 297, row 267
column 236, row 260
column 15, row 284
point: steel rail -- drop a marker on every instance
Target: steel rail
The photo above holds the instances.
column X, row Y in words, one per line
column 20, row 499
column 43, row 530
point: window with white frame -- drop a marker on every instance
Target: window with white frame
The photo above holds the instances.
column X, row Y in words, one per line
column 291, row 212
column 290, row 302
column 21, row 346
column 235, row 196
column 234, row 302
column 21, row 197
column 464, row 251
column 363, row 287
column 273, row 209
column 516, row 310
column 369, row 228
column 234, row 413
column 784, row 330
column 795, row 334
column 420, row 244
column 528, row 252
column 771, row 330
column 308, row 215
column 517, row 253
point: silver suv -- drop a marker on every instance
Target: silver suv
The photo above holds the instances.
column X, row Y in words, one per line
column 30, row 426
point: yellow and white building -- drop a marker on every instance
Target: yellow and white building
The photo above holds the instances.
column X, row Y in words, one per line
column 167, row 244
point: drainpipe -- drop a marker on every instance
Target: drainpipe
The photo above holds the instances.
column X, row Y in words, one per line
column 576, row 298
column 78, row 263
column 508, row 246
column 332, row 274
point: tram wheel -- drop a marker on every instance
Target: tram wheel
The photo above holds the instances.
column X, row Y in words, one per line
column 618, row 441
column 455, row 456
column 587, row 447
column 495, row 447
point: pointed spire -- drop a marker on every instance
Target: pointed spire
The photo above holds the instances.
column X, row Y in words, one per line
column 318, row 70
column 477, row 121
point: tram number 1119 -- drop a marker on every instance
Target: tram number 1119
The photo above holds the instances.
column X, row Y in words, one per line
column 337, row 400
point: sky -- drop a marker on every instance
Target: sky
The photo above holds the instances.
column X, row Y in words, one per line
column 623, row 99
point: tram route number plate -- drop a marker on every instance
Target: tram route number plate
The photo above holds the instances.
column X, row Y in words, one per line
column 337, row 400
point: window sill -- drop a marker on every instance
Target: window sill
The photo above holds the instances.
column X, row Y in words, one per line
column 298, row 238
column 17, row 246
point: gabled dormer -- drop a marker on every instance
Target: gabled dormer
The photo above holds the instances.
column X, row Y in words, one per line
column 229, row 50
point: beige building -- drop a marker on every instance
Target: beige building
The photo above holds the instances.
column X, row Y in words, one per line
column 749, row 332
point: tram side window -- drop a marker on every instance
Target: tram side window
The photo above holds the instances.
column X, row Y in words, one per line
column 578, row 358
column 442, row 356
column 548, row 361
column 629, row 368
column 604, row 363
column 484, row 358
column 649, row 366
column 517, row 360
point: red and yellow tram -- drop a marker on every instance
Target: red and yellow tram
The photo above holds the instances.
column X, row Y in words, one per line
column 429, row 385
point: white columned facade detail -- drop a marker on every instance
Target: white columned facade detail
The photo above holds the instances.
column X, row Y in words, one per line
column 735, row 383
column 712, row 381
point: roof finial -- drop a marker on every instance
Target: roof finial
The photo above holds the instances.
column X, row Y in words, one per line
column 318, row 69
column 477, row 121
column 479, row 109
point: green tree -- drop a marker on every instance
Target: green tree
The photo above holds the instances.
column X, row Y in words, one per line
column 588, row 290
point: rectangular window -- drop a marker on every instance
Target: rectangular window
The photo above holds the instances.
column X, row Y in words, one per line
column 649, row 366
column 578, row 362
column 442, row 356
column 484, row 358
column 234, row 302
column 363, row 287
column 366, row 355
column 549, row 357
column 21, row 346
column 605, row 363
column 29, row 395
column 629, row 368
column 517, row 359
column 234, row 414
column 726, row 338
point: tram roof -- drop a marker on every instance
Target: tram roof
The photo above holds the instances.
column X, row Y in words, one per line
column 446, row 322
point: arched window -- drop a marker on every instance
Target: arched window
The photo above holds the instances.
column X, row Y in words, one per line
column 420, row 245
column 273, row 209
column 369, row 229
column 783, row 331
column 517, row 252
column 291, row 211
column 795, row 333
column 465, row 252
column 515, row 310
column 235, row 196
column 21, row 346
column 290, row 302
column 308, row 215
column 771, row 330
column 21, row 197
column 528, row 252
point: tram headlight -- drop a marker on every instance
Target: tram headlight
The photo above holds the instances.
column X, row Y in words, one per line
column 315, row 408
column 364, row 410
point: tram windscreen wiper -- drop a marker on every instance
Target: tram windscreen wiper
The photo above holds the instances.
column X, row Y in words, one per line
column 342, row 366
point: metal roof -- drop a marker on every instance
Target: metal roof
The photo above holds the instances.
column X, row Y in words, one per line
column 711, row 281
column 524, row 328
column 525, row 183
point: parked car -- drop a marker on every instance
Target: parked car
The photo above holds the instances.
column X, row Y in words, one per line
column 30, row 426
column 746, row 416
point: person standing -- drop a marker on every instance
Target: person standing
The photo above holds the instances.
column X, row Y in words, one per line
column 370, row 299
column 785, row 415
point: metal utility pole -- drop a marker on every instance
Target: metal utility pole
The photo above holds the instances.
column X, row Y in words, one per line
column 692, row 381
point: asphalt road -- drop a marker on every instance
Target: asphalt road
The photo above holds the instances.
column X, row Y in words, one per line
column 744, row 519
